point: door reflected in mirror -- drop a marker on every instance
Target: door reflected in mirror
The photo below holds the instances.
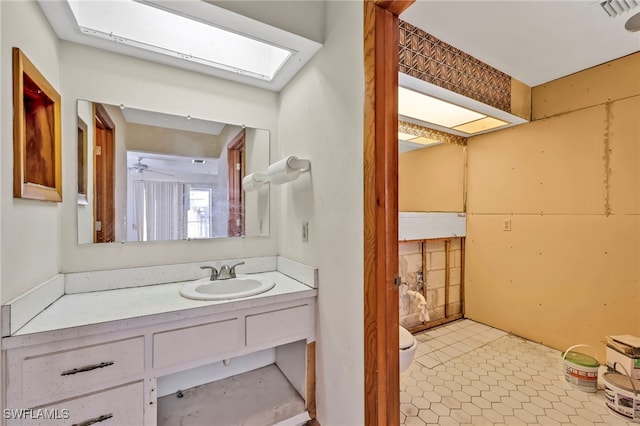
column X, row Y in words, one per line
column 158, row 177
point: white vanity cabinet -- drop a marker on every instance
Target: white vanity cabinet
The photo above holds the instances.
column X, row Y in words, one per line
column 107, row 374
column 78, row 381
column 122, row 405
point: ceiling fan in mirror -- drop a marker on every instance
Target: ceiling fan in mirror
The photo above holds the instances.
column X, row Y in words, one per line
column 140, row 167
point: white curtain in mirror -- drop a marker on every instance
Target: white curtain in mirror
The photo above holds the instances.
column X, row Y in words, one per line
column 221, row 207
column 158, row 210
column 175, row 211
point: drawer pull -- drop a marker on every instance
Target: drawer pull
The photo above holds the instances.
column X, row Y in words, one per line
column 90, row 422
column 87, row 368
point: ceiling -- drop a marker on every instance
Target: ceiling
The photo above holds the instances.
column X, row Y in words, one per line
column 170, row 121
column 533, row 41
column 171, row 167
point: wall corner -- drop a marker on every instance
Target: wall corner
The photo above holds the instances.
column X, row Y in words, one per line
column 520, row 99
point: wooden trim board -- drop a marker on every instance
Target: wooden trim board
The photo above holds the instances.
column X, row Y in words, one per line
column 381, row 316
column 311, row 380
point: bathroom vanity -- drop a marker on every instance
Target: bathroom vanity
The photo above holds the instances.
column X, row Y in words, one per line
column 116, row 356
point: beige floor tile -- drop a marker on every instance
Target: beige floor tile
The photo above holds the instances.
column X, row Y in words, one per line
column 494, row 379
column 408, row 409
column 440, row 409
column 414, row 421
column 428, row 416
column 420, row 403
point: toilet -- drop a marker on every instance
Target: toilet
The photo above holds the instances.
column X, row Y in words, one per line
column 408, row 345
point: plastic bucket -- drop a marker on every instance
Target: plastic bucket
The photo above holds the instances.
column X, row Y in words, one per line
column 580, row 370
column 621, row 394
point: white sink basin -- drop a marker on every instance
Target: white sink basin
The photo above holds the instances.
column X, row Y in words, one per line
column 233, row 288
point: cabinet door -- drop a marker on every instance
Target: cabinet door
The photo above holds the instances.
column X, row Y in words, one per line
column 194, row 343
column 279, row 326
column 120, row 406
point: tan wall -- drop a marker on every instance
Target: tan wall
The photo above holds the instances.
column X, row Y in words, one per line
column 171, row 141
column 617, row 79
column 431, row 179
column 567, row 272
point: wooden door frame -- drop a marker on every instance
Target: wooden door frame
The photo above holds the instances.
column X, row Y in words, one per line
column 381, row 315
column 101, row 115
column 236, row 197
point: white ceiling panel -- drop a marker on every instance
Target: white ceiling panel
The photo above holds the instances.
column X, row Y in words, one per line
column 533, row 41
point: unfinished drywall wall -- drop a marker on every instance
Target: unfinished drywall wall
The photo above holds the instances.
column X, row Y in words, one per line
column 613, row 80
column 431, row 179
column 568, row 188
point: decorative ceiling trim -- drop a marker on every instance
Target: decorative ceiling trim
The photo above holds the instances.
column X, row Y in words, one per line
column 427, row 58
column 417, row 130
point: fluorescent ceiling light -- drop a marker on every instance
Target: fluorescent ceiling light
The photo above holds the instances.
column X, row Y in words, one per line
column 157, row 30
column 425, row 104
column 481, row 125
column 406, row 146
column 405, row 136
column 415, row 142
column 432, row 110
column 425, row 141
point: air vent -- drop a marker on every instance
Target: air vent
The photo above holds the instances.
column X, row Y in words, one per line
column 618, row 7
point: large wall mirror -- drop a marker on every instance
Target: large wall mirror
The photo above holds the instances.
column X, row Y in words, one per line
column 155, row 177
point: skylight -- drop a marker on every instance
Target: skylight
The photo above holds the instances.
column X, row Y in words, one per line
column 157, row 30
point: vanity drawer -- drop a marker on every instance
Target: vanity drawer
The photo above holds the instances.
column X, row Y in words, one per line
column 193, row 343
column 119, row 406
column 278, row 326
column 74, row 371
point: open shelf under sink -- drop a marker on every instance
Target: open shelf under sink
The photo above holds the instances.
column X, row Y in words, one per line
column 260, row 397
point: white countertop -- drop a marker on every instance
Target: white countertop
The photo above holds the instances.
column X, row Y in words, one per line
column 100, row 310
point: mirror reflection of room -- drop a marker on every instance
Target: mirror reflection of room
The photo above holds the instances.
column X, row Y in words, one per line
column 159, row 177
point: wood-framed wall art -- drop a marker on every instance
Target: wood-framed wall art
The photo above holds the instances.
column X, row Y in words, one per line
column 37, row 172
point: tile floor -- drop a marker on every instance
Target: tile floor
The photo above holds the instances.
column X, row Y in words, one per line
column 466, row 373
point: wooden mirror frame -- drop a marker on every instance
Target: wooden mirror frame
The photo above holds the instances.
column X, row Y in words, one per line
column 37, row 172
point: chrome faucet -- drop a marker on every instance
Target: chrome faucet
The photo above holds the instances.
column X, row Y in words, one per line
column 214, row 272
column 227, row 272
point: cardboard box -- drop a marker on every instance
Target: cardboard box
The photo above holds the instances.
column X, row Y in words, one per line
column 632, row 365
